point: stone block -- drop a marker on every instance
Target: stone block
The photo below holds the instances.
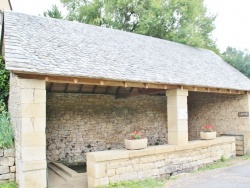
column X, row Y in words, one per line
column 32, row 84
column 178, row 138
column 94, row 182
column 33, row 153
column 13, row 169
column 33, row 139
column 33, row 165
column 142, row 152
column 7, row 161
column 40, row 96
column 111, row 172
column 96, row 170
column 137, row 167
column 147, row 166
column 4, row 169
column 33, row 124
column 129, row 176
column 35, row 178
column 9, row 152
column 164, row 149
column 27, row 95
column 9, row 176
column 31, row 110
column 107, row 155
column 121, row 170
column 177, row 92
column 143, row 160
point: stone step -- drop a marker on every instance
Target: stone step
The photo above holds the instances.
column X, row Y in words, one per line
column 67, row 170
column 59, row 172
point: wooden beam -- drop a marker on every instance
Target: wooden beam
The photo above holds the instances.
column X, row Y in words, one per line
column 117, row 91
column 140, row 92
column 51, row 86
column 66, row 87
column 81, row 88
column 107, row 89
column 93, row 91
column 97, row 82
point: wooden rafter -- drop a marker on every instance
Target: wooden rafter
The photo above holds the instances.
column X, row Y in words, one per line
column 66, row 87
column 97, row 82
column 51, row 86
column 81, row 88
column 93, row 91
column 117, row 91
column 107, row 89
column 140, row 92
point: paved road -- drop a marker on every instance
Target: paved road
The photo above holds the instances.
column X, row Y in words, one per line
column 229, row 177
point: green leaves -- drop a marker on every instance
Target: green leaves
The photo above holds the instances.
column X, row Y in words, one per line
column 53, row 13
column 4, row 86
column 183, row 21
column 238, row 59
column 6, row 131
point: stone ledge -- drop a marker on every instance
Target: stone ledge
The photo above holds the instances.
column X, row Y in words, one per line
column 151, row 150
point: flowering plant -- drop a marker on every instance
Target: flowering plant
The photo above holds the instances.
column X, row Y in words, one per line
column 208, row 128
column 136, row 135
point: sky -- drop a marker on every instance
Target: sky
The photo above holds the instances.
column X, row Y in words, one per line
column 232, row 22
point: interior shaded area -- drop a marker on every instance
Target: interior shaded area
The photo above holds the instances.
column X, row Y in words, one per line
column 79, row 168
column 86, row 120
column 218, row 110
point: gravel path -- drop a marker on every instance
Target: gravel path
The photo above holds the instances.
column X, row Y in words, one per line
column 234, row 176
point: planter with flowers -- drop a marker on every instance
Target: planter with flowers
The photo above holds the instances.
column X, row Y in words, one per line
column 208, row 133
column 136, row 141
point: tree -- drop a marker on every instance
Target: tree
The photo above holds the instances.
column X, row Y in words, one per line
column 183, row 21
column 4, row 86
column 53, row 13
column 238, row 59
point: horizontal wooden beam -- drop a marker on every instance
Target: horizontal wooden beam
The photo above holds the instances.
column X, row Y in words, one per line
column 140, row 92
column 102, row 82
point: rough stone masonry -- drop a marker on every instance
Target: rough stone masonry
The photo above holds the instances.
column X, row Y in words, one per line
column 7, row 165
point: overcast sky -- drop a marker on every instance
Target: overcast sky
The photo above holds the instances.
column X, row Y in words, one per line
column 232, row 23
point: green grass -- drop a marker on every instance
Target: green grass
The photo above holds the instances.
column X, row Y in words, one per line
column 11, row 184
column 148, row 183
column 246, row 157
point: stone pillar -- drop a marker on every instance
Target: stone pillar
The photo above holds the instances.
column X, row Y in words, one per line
column 245, row 103
column 177, row 116
column 30, row 134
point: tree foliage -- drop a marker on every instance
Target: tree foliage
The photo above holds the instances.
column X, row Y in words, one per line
column 53, row 13
column 183, row 21
column 238, row 59
column 4, row 86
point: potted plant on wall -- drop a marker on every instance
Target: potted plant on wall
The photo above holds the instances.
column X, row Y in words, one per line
column 136, row 141
column 208, row 133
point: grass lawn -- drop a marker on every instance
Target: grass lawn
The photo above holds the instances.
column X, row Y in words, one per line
column 8, row 185
column 148, row 183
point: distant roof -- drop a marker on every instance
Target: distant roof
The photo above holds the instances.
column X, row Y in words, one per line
column 39, row 45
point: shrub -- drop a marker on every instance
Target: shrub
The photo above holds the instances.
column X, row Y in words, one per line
column 6, row 131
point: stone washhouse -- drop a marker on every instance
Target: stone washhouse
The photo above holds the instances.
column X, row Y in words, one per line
column 77, row 91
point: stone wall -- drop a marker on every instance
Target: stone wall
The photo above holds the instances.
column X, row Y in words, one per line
column 219, row 110
column 7, row 165
column 156, row 161
column 81, row 123
column 14, row 110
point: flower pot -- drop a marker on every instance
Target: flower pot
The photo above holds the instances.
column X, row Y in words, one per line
column 207, row 135
column 136, row 144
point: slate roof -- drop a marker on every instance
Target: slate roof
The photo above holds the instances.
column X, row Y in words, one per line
column 48, row 46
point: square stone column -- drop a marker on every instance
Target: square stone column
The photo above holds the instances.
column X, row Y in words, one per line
column 245, row 128
column 177, row 116
column 27, row 107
